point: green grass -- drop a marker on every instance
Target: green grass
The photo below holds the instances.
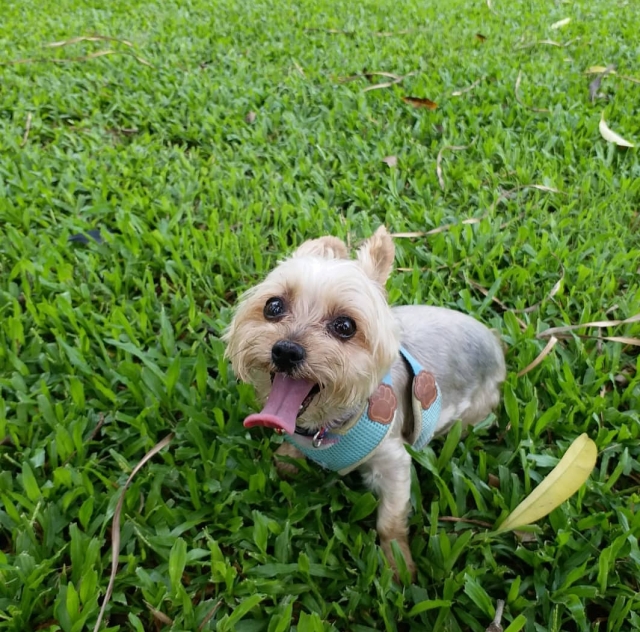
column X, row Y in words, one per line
column 107, row 348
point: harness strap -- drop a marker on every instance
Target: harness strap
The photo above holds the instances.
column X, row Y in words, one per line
column 344, row 451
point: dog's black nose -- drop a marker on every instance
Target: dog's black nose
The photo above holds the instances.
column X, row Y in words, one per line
column 287, row 355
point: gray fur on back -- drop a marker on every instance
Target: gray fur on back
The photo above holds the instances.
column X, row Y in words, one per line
column 465, row 356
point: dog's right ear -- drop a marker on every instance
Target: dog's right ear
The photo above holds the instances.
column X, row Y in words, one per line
column 376, row 255
column 325, row 247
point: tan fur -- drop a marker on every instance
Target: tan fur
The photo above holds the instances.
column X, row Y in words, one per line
column 376, row 255
column 287, row 449
column 316, row 291
column 319, row 283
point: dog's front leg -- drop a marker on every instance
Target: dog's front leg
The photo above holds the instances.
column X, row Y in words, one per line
column 287, row 449
column 388, row 473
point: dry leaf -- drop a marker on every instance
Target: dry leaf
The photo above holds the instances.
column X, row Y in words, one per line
column 560, row 23
column 595, row 70
column 594, row 86
column 635, row 342
column 159, row 616
column 541, row 356
column 418, row 102
column 480, row 37
column 610, row 136
column 392, row 161
column 562, row 482
column 251, row 118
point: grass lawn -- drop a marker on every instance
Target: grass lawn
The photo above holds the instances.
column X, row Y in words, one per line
column 210, row 139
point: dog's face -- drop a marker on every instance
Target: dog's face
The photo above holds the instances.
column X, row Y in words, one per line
column 317, row 336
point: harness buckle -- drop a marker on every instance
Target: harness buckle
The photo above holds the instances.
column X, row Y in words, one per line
column 318, row 438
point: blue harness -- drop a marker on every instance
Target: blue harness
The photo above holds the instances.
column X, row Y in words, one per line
column 345, row 448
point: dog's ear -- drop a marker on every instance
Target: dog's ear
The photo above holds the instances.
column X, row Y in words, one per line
column 376, row 255
column 325, row 247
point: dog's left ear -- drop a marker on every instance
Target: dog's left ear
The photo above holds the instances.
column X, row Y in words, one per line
column 325, row 247
column 376, row 255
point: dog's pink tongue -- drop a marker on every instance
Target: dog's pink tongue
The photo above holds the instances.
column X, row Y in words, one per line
column 283, row 404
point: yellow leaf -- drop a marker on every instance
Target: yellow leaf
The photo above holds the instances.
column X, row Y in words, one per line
column 563, row 481
column 596, row 70
column 560, row 23
column 610, row 136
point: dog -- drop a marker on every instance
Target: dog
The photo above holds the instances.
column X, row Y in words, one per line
column 350, row 380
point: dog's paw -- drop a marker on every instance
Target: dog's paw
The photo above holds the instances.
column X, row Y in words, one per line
column 406, row 554
column 284, row 467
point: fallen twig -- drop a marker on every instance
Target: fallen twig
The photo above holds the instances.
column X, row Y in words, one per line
column 479, row 523
column 439, row 229
column 496, row 624
column 541, row 356
column 88, row 38
column 209, row 614
column 546, row 42
column 505, row 195
column 71, row 60
column 496, row 300
column 554, row 331
column 387, row 84
column 476, row 83
column 554, row 290
column 115, row 530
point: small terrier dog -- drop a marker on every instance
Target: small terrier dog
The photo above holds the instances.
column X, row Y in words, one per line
column 350, row 380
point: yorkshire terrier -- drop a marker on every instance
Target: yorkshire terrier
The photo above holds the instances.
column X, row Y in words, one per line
column 350, row 380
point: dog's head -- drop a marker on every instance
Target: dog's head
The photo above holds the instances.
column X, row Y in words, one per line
column 317, row 335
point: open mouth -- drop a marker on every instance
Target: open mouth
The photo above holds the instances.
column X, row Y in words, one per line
column 307, row 400
column 288, row 399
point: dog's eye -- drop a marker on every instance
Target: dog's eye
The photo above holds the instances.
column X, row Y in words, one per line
column 343, row 327
column 274, row 308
